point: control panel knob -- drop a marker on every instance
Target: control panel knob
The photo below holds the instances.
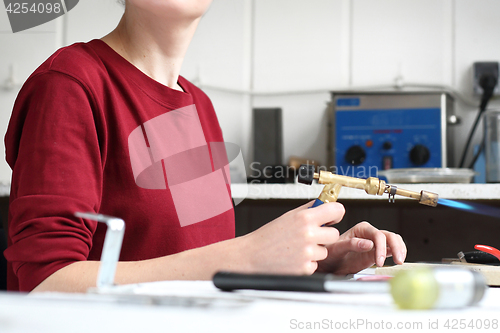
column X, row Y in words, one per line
column 419, row 155
column 355, row 155
column 387, row 145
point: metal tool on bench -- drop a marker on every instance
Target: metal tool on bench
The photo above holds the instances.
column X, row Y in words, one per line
column 109, row 291
column 111, row 248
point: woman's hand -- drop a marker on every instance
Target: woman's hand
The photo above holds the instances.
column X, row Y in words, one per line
column 295, row 242
column 298, row 243
column 360, row 247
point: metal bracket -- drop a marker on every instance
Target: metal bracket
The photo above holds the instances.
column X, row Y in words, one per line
column 392, row 193
column 111, row 248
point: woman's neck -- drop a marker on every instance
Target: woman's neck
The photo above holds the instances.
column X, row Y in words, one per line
column 154, row 45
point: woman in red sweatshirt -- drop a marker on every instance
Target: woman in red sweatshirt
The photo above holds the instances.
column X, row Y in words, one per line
column 110, row 126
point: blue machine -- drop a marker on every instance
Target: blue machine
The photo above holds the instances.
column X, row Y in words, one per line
column 377, row 131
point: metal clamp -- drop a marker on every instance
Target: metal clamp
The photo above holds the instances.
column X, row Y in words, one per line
column 392, row 189
column 111, row 248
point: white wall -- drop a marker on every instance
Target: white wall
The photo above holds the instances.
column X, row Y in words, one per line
column 26, row 50
column 20, row 54
column 290, row 53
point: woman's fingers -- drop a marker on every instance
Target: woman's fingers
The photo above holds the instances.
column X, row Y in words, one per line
column 386, row 243
column 328, row 213
column 367, row 231
column 325, row 235
column 318, row 253
column 396, row 247
column 359, row 245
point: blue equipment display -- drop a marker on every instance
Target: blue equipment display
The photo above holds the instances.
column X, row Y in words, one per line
column 373, row 131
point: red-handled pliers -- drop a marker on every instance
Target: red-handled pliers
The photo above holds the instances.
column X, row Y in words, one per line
column 488, row 249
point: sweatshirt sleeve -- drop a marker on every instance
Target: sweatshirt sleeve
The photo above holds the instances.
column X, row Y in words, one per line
column 54, row 148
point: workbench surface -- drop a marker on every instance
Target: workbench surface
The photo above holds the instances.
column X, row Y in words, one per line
column 300, row 191
column 196, row 306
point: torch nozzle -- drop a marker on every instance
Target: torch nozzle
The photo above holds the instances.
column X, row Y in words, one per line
column 424, row 197
column 428, row 198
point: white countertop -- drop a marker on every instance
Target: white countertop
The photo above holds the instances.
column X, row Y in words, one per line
column 197, row 306
column 300, row 191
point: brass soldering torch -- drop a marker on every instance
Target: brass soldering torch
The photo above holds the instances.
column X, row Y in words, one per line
column 334, row 183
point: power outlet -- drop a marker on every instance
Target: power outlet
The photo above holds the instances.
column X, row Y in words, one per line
column 480, row 68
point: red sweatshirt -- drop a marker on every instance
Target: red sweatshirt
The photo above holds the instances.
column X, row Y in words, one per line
column 90, row 132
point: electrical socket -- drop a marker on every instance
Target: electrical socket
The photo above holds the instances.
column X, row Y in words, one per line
column 479, row 68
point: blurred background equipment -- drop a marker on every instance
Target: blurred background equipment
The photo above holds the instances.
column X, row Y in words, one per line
column 267, row 146
column 372, row 131
column 486, row 85
column 428, row 175
column 492, row 146
column 295, row 162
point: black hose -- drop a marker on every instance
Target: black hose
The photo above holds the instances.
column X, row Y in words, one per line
column 488, row 83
